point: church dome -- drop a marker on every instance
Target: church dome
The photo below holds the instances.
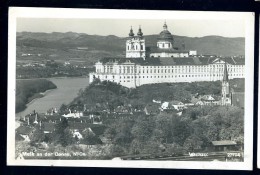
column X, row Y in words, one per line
column 165, row 35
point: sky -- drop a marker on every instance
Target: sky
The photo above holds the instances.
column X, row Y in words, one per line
column 121, row 27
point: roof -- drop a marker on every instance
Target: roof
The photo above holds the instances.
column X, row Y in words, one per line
column 168, row 61
column 194, row 100
column 165, row 34
column 131, row 34
column 225, row 77
column 53, row 117
column 175, row 102
column 223, row 142
column 18, row 137
column 24, row 130
column 48, row 126
column 78, row 125
column 96, row 128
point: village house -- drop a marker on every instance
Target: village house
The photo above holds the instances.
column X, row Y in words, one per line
column 124, row 110
column 178, row 105
column 208, row 100
column 75, row 114
column 25, row 132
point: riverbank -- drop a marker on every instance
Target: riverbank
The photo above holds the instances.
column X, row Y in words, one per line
column 67, row 89
column 27, row 91
column 41, row 95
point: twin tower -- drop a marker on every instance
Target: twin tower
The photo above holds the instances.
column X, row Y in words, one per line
column 135, row 45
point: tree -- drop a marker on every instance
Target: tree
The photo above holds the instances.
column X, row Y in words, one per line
column 63, row 108
column 180, row 130
column 110, row 133
column 123, row 132
column 37, row 136
column 89, row 137
column 193, row 142
column 62, row 135
column 143, row 128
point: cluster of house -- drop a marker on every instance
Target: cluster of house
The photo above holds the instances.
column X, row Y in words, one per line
column 47, row 123
column 177, row 106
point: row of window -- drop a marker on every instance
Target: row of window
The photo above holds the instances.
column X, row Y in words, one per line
column 179, row 67
column 164, row 45
column 172, row 76
column 128, row 70
column 132, row 47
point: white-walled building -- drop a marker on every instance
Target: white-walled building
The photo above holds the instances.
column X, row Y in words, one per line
column 163, row 65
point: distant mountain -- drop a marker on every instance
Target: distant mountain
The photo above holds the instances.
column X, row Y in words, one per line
column 63, row 45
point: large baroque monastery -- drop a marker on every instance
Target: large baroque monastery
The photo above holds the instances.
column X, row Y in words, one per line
column 165, row 63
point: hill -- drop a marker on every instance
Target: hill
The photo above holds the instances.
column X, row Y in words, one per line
column 90, row 48
column 27, row 90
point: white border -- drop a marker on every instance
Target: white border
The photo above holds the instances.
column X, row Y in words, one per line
column 247, row 17
column 258, row 117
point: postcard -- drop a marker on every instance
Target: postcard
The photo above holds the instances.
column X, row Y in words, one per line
column 130, row 88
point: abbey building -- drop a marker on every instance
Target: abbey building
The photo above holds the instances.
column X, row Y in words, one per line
column 164, row 63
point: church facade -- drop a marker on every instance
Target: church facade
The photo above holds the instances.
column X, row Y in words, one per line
column 164, row 64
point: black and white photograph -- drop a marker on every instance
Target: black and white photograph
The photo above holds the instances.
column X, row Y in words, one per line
column 130, row 88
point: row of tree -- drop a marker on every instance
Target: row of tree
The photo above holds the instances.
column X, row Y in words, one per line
column 195, row 129
column 111, row 95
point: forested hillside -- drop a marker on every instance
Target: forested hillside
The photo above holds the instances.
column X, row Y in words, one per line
column 27, row 90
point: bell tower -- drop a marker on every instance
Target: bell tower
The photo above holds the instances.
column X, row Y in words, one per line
column 135, row 45
column 226, row 96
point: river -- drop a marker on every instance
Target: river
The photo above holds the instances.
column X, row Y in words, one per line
column 67, row 90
